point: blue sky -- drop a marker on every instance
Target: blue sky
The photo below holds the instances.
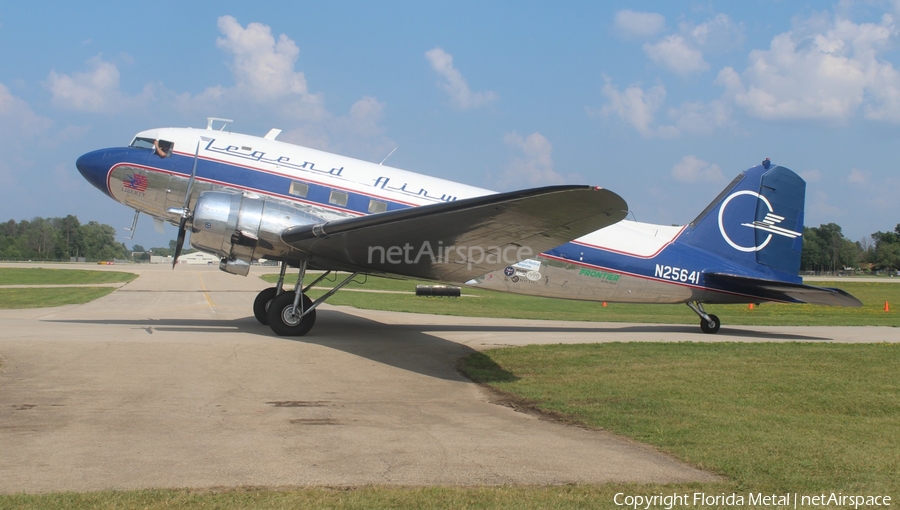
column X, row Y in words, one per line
column 661, row 102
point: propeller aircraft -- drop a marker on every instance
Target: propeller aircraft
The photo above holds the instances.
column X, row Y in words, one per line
column 245, row 197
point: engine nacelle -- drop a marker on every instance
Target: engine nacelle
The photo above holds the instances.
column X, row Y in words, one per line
column 242, row 227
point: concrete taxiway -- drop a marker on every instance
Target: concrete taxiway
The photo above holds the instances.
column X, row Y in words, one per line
column 170, row 382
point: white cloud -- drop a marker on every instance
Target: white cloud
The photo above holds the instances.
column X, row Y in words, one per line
column 453, row 83
column 691, row 169
column 702, row 118
column 819, row 206
column 811, row 175
column 636, row 24
column 358, row 134
column 96, row 90
column 859, row 177
column 674, row 54
column 822, row 70
column 717, row 35
column 20, row 128
column 533, row 165
column 682, row 52
column 262, row 67
column 637, row 107
column 17, row 120
column 265, row 73
column 361, row 132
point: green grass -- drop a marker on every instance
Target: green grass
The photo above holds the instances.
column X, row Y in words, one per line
column 37, row 276
column 50, row 297
column 504, row 497
column 771, row 417
column 507, row 305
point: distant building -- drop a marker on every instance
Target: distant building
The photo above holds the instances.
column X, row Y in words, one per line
column 198, row 257
column 156, row 259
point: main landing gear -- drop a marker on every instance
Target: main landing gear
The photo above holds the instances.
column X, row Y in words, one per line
column 291, row 313
column 708, row 323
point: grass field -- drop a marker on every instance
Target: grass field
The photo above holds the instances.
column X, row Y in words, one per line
column 585, row 497
column 500, row 304
column 39, row 276
column 772, row 417
column 48, row 297
column 18, row 298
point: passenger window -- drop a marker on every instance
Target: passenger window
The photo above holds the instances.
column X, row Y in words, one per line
column 337, row 198
column 299, row 189
column 376, row 206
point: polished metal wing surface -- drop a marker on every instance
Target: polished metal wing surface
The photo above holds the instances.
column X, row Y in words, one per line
column 457, row 241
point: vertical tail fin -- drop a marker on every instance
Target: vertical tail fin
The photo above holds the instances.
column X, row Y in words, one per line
column 756, row 222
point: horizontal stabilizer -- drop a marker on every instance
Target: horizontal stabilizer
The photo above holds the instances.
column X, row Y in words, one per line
column 770, row 290
column 457, row 241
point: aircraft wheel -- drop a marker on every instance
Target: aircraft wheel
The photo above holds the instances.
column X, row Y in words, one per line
column 707, row 328
column 282, row 320
column 261, row 305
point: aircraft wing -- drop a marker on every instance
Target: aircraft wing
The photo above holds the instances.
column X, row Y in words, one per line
column 782, row 291
column 457, row 241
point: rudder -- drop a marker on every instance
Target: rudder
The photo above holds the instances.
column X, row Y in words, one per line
column 757, row 221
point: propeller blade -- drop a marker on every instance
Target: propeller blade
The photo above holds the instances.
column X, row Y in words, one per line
column 186, row 211
column 179, row 242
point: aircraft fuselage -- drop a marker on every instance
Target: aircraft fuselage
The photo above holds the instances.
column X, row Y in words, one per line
column 626, row 262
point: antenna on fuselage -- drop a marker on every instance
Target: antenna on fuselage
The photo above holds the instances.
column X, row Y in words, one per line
column 385, row 158
column 211, row 120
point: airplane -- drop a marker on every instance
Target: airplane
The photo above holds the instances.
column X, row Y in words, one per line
column 246, row 197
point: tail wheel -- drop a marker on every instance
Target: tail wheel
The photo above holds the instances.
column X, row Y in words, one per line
column 283, row 320
column 261, row 305
column 710, row 328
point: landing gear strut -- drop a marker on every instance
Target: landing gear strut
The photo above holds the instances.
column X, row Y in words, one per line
column 708, row 323
column 292, row 313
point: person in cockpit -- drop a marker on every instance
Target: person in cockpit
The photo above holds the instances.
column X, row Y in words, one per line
column 162, row 148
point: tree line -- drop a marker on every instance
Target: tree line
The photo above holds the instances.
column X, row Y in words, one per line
column 825, row 248
column 61, row 239
column 58, row 239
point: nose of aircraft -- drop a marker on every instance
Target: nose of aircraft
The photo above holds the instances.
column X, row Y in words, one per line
column 94, row 169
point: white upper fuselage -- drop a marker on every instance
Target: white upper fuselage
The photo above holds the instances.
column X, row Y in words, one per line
column 397, row 187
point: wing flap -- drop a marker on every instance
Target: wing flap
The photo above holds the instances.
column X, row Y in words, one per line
column 457, row 241
column 771, row 290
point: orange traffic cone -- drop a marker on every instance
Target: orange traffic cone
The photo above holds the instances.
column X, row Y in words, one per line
column 750, row 307
column 604, row 303
column 887, row 307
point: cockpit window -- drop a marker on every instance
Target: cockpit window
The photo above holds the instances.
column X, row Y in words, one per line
column 142, row 143
column 162, row 147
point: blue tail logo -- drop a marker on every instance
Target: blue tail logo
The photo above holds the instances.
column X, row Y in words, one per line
column 756, row 223
column 768, row 224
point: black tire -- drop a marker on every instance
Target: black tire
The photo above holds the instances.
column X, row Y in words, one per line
column 280, row 317
column 710, row 329
column 261, row 305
